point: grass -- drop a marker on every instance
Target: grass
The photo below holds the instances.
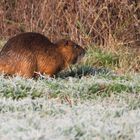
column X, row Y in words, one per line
column 43, row 119
column 100, row 106
column 121, row 59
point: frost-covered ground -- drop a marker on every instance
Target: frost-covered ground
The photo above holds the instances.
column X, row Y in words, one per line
column 103, row 106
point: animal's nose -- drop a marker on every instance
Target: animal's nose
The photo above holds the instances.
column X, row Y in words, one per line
column 83, row 51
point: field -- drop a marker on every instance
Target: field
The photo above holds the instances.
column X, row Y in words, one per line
column 81, row 103
column 103, row 106
column 96, row 99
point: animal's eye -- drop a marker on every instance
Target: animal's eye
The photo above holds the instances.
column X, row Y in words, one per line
column 75, row 46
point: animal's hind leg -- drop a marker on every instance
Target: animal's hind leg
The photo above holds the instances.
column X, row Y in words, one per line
column 18, row 64
column 27, row 69
column 5, row 67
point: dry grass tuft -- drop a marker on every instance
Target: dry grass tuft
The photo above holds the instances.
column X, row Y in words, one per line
column 89, row 21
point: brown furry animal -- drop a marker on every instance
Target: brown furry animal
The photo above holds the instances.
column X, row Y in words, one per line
column 30, row 53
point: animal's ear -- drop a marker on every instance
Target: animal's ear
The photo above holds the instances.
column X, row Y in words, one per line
column 66, row 43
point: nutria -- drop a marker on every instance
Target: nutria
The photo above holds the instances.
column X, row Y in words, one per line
column 29, row 53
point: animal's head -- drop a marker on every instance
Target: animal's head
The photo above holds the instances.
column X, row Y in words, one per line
column 71, row 52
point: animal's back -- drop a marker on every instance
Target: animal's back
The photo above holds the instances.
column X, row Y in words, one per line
column 27, row 42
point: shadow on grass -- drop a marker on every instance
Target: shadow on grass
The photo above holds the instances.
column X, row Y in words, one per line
column 79, row 71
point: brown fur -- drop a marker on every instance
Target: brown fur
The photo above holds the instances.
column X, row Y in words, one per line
column 28, row 53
